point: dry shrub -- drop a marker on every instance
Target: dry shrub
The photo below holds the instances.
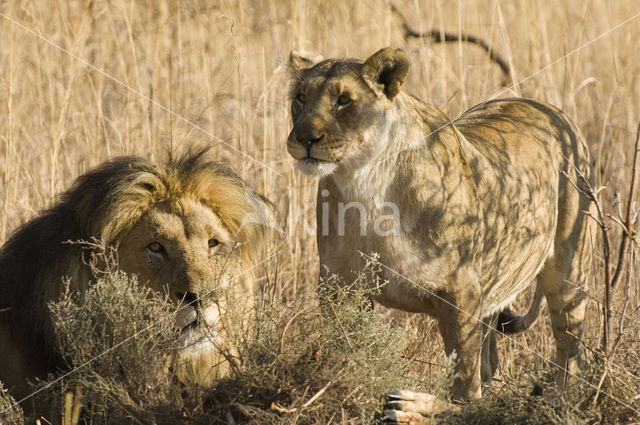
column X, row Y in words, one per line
column 118, row 335
column 324, row 358
column 538, row 400
column 10, row 413
column 313, row 362
column 535, row 401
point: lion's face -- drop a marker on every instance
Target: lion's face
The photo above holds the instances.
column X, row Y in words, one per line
column 178, row 247
column 183, row 249
column 338, row 108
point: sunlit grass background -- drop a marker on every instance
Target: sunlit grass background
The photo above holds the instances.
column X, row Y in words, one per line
column 220, row 68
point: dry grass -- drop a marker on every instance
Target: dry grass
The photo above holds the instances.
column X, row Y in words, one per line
column 322, row 357
column 219, row 65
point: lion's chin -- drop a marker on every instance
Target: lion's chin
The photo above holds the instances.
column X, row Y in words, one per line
column 316, row 167
column 194, row 334
column 199, row 359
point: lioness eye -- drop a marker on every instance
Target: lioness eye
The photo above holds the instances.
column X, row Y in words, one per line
column 213, row 243
column 344, row 100
column 155, row 247
column 300, row 97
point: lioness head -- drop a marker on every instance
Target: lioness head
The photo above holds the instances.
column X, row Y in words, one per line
column 338, row 106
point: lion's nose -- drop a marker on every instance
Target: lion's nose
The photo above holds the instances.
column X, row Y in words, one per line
column 188, row 298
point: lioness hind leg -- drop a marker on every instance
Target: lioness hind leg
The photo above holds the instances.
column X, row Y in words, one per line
column 562, row 280
column 565, row 272
column 489, row 352
column 567, row 309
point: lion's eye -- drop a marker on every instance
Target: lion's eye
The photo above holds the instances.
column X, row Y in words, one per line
column 155, row 247
column 344, row 100
column 213, row 243
column 300, row 97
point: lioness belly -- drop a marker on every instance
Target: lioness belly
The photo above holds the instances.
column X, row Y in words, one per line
column 515, row 245
column 417, row 283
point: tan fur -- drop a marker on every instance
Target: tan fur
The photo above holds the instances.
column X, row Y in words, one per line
column 186, row 205
column 483, row 209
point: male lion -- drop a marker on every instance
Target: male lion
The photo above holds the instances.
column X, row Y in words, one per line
column 464, row 214
column 177, row 226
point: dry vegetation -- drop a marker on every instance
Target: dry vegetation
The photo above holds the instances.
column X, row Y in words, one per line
column 219, row 67
column 326, row 357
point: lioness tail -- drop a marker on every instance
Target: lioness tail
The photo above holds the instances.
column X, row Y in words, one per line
column 511, row 323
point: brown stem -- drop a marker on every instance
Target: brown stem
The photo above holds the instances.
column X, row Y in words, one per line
column 625, row 306
column 628, row 232
column 445, row 37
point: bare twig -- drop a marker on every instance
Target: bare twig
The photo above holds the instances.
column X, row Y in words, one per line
column 279, row 408
column 438, row 36
column 628, row 231
column 322, row 391
column 344, row 332
column 625, row 306
column 626, row 221
column 289, row 322
column 609, row 357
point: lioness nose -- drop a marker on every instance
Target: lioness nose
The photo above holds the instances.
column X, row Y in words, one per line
column 307, row 142
column 188, row 298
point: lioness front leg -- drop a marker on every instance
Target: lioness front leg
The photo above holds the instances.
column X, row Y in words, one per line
column 462, row 333
column 459, row 314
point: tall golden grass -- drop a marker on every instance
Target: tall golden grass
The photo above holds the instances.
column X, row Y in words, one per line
column 219, row 67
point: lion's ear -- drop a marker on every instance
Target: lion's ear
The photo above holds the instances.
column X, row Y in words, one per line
column 298, row 62
column 386, row 70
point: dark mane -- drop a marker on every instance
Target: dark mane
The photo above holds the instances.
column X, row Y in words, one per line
column 104, row 204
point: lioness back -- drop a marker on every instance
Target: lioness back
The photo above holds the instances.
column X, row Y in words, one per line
column 523, row 145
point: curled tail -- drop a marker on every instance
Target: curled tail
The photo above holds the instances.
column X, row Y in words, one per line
column 511, row 323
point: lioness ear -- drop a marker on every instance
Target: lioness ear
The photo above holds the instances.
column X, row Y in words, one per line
column 386, row 70
column 297, row 62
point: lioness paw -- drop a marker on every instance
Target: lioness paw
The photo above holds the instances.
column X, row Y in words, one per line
column 394, row 417
column 421, row 403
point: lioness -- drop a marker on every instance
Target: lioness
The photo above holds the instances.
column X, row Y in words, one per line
column 464, row 214
column 187, row 227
